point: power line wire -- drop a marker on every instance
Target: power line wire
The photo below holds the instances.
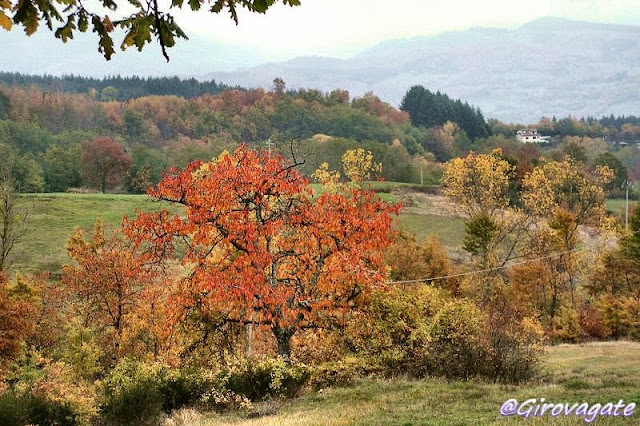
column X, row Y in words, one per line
column 444, row 277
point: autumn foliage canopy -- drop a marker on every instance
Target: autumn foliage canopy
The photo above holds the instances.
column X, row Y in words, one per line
column 260, row 245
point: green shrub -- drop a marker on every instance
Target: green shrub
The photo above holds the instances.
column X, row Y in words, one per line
column 393, row 329
column 514, row 349
column 261, row 379
column 45, row 412
column 180, row 388
column 465, row 342
column 138, row 393
column 456, row 344
column 14, row 409
column 132, row 394
column 17, row 409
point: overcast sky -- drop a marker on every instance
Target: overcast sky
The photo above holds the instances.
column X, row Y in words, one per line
column 344, row 27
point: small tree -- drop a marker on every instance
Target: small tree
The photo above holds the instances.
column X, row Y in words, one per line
column 17, row 321
column 104, row 162
column 279, row 86
column 495, row 232
column 118, row 287
column 358, row 165
column 12, row 219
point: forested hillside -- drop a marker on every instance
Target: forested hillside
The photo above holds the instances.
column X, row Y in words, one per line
column 50, row 127
column 114, row 88
column 47, row 133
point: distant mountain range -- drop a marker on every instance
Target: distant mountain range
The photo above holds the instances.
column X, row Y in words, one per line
column 550, row 66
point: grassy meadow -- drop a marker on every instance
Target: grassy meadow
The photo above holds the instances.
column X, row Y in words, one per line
column 53, row 217
column 593, row 373
column 618, row 206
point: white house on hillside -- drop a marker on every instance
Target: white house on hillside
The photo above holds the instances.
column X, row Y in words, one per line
column 530, row 136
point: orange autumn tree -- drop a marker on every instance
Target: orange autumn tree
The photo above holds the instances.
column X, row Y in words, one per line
column 120, row 291
column 262, row 247
column 17, row 322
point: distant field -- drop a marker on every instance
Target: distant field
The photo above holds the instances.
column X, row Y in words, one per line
column 53, row 218
column 617, row 206
column 450, row 230
column 592, row 373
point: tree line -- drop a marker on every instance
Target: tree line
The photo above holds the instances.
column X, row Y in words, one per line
column 114, row 88
column 430, row 109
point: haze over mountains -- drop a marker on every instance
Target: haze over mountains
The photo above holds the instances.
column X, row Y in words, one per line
column 550, row 66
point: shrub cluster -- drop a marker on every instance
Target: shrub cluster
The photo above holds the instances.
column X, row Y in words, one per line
column 268, row 377
column 142, row 393
column 424, row 332
column 18, row 408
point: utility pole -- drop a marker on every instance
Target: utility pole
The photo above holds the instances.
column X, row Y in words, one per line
column 269, row 145
column 627, row 184
column 421, row 180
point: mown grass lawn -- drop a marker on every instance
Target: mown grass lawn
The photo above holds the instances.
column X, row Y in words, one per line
column 592, row 373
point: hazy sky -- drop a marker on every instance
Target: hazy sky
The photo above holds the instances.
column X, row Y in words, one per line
column 343, row 27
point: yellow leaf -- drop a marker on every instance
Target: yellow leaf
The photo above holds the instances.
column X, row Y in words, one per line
column 5, row 21
column 129, row 40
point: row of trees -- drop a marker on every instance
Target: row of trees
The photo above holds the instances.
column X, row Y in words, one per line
column 116, row 88
column 99, row 163
column 238, row 115
column 428, row 109
column 71, row 162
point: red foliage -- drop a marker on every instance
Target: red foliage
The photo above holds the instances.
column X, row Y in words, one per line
column 104, row 162
column 262, row 247
column 121, row 289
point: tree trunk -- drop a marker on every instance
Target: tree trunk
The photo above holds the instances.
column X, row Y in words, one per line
column 283, row 337
column 103, row 183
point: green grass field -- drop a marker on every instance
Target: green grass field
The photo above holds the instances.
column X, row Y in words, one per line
column 450, row 230
column 53, row 217
column 617, row 206
column 592, row 373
